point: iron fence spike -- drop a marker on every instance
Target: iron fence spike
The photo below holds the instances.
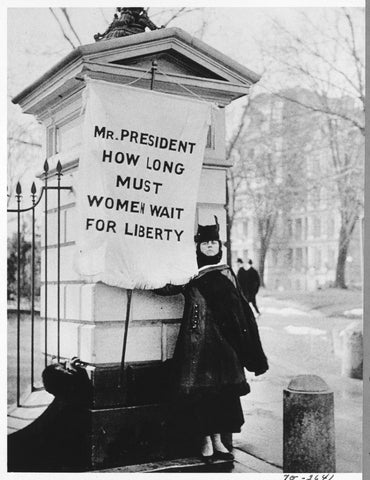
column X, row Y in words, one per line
column 46, row 166
column 18, row 188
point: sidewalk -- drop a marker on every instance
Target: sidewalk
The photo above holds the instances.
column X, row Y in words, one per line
column 37, row 402
column 310, row 351
column 243, row 463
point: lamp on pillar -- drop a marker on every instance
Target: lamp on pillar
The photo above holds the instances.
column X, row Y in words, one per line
column 127, row 21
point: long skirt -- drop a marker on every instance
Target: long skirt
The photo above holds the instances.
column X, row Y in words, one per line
column 211, row 413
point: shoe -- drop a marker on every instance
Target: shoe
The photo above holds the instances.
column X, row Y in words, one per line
column 207, row 459
column 223, row 455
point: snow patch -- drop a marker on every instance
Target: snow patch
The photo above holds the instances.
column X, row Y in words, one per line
column 294, row 330
column 286, row 312
column 355, row 312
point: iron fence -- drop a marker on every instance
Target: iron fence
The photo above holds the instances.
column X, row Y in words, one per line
column 35, row 202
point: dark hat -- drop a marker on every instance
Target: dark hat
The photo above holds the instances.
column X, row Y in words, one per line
column 206, row 233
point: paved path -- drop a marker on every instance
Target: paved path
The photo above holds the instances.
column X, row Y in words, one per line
column 299, row 342
column 243, row 463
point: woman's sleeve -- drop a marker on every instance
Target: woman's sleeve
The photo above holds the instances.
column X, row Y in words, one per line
column 169, row 290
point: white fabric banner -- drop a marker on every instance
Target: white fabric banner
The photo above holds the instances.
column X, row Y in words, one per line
column 137, row 186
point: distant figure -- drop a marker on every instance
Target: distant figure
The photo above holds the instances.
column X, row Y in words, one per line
column 249, row 282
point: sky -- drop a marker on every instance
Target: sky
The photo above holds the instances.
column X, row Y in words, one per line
column 35, row 42
column 237, row 32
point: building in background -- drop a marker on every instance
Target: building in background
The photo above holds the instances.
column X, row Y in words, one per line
column 301, row 199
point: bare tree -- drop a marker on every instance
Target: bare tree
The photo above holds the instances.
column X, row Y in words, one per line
column 234, row 177
column 330, row 62
column 24, row 147
column 63, row 28
column 265, row 177
column 347, row 155
column 166, row 16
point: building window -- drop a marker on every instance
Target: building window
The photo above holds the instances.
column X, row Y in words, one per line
column 275, row 257
column 316, row 227
column 289, row 257
column 68, row 135
column 298, row 261
column 245, row 227
column 323, row 196
column 290, row 228
column 298, row 229
column 331, row 258
column 317, row 258
column 331, row 227
column 314, row 196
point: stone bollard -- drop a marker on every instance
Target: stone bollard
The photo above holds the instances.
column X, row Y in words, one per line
column 309, row 434
column 352, row 357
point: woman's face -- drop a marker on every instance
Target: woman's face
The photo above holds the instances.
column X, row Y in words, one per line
column 209, row 248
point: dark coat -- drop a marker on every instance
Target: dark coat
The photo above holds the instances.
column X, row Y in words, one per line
column 249, row 281
column 57, row 440
column 218, row 336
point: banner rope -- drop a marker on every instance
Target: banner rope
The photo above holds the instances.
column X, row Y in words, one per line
column 199, row 97
column 138, row 78
column 183, row 86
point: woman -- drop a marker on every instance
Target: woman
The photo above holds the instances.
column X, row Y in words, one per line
column 217, row 339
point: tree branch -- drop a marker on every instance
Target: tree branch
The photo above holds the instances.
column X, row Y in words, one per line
column 64, row 10
column 62, row 28
column 358, row 63
column 239, row 130
column 327, row 111
column 25, row 142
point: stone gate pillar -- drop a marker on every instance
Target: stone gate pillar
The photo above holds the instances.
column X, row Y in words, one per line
column 92, row 314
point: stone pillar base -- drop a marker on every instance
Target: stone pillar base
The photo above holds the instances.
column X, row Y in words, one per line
column 130, row 419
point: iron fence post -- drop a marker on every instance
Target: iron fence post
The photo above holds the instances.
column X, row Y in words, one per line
column 33, row 196
column 46, row 169
column 18, row 197
column 59, row 174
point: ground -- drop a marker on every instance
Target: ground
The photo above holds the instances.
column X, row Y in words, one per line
column 299, row 338
column 329, row 301
column 301, row 335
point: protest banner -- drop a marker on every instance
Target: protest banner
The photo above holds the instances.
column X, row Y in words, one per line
column 138, row 182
